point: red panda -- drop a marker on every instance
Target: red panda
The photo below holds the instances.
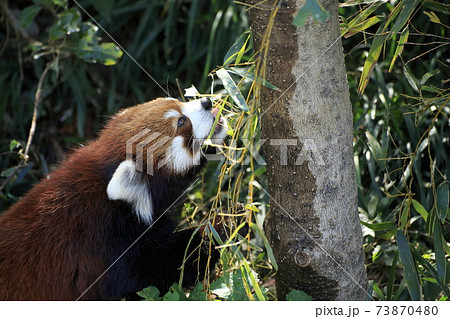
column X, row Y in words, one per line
column 86, row 232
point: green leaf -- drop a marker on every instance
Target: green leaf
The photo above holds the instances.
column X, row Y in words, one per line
column 7, row 172
column 412, row 80
column 61, row 3
column 427, row 76
column 364, row 24
column 391, row 280
column 378, row 291
column 439, row 6
column 27, row 15
column 378, row 153
column 252, row 207
column 361, row 21
column 409, row 266
column 69, row 21
column 269, row 250
column 13, row 144
column 313, row 7
column 219, row 288
column 430, row 89
column 150, row 293
column 425, row 264
column 407, row 9
column 400, row 46
column 298, row 295
column 105, row 53
column 232, row 89
column 174, row 294
column 238, row 282
column 376, row 254
column 442, row 201
column 238, row 49
column 378, row 42
column 404, row 217
column 372, row 58
column 438, row 244
column 419, row 208
column 433, row 17
column 380, row 226
column 253, row 280
column 198, row 294
column 248, row 73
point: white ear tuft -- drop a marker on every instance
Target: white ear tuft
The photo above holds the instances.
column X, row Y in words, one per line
column 129, row 185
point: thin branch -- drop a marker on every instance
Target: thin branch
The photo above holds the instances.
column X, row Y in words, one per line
column 24, row 156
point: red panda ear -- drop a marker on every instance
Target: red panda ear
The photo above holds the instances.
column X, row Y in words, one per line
column 129, row 185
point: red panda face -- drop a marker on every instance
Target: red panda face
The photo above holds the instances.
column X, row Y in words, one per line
column 159, row 137
column 192, row 123
column 164, row 134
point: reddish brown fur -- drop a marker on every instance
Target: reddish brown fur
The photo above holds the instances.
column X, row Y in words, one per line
column 50, row 244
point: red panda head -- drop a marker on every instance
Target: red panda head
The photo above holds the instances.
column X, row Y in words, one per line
column 163, row 136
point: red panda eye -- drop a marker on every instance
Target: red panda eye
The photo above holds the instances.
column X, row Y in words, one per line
column 181, row 121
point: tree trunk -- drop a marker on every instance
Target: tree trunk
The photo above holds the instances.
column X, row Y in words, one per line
column 313, row 222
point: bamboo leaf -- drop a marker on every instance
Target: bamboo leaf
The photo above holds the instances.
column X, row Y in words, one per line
column 391, row 280
column 427, row 76
column 238, row 49
column 269, row 250
column 380, row 226
column 232, row 89
column 433, row 17
column 438, row 244
column 360, row 19
column 248, row 73
column 426, row 265
column 378, row 152
column 419, row 208
column 410, row 272
column 439, row 6
column 400, row 46
column 372, row 58
column 362, row 26
column 442, row 201
column 412, row 80
column 375, row 49
column 404, row 218
column 407, row 9
column 430, row 89
column 254, row 282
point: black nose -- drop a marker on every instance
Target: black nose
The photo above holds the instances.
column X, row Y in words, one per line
column 206, row 103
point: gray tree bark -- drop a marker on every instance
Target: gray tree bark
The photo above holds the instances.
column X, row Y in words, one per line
column 313, row 222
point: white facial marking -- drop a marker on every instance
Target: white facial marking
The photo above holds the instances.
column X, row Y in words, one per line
column 171, row 113
column 201, row 119
column 127, row 184
column 178, row 158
